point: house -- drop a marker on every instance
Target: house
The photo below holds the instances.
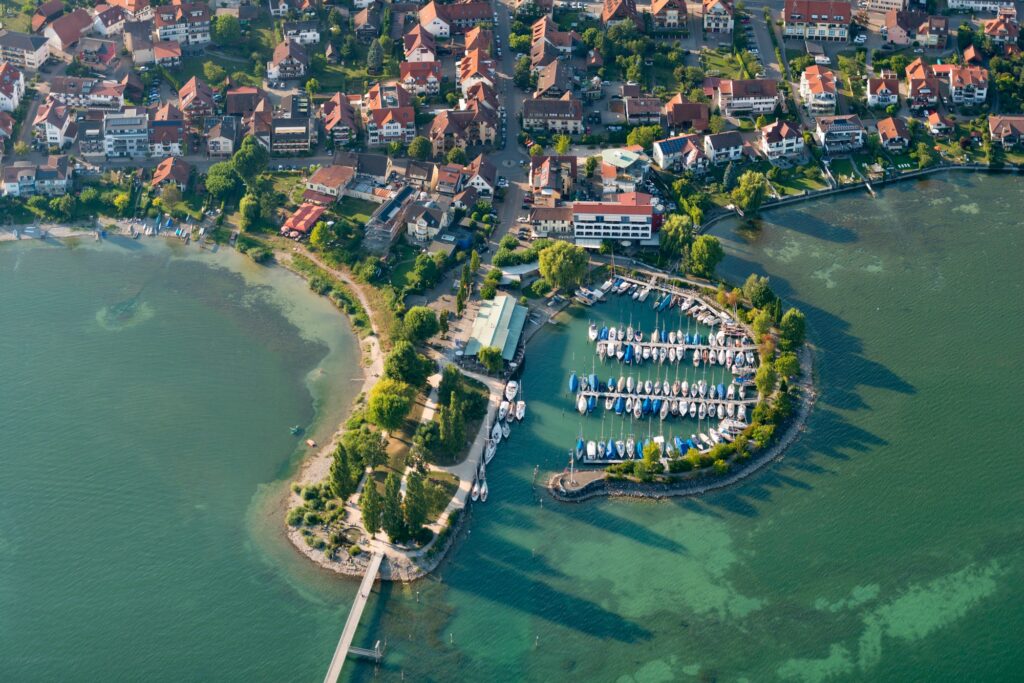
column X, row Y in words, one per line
column 552, row 221
column 442, row 21
column 424, row 220
column 967, row 84
column 86, row 92
column 641, row 110
column 499, row 324
column 623, row 169
column 542, row 53
column 243, row 100
column 466, row 199
column 388, row 115
column 839, row 133
column 481, row 175
column 328, row 183
column 53, row 123
column 1002, row 30
column 6, row 129
column 478, row 38
column 718, row 16
column 292, row 135
column 366, row 23
column 126, row 133
column 979, row 5
column 893, row 134
column 971, row 55
column 189, row 24
column 1006, row 130
column 818, row 90
column 474, row 68
column 781, row 139
column 679, row 114
column 421, row 78
column 723, row 147
column 883, row 91
column 462, row 128
column 554, row 80
column 552, row 178
column 289, row 61
column 618, row 11
column 906, row 28
column 545, row 30
column 195, row 99
column 339, row 119
column 222, row 133
column 25, row 179
column 166, row 131
column 564, row 115
column 683, row 152
column 65, row 31
column 752, row 96
column 883, row 6
column 171, row 171
column 668, row 15
column 23, row 50
column 923, row 85
column 109, row 20
column 46, row 13
column 303, row 219
column 419, row 45
column 301, row 32
column 817, row 19
column 940, row 125
column 138, row 40
column 135, row 10
column 167, row 53
column 447, row 179
column 90, row 137
column 12, row 86
column 629, row 217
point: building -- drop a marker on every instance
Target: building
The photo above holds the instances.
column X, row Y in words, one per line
column 475, row 67
column 339, row 119
column 424, row 220
column 906, row 28
column 419, row 45
column 679, row 114
column 781, row 139
column 442, row 21
column 552, row 221
column 167, row 53
column 883, row 6
column 12, row 86
column 138, row 39
column 817, row 19
column 1006, row 130
column 564, row 115
column 618, row 11
column 25, row 179
column 481, row 175
column 552, row 178
column 818, row 90
column 478, row 38
column 623, row 169
column 940, row 125
column 421, row 78
column 171, row 171
column 45, row 13
column 65, row 31
column 882, row 92
column 189, row 24
column 53, row 124
column 222, row 133
column 126, row 134
column 86, row 92
column 109, row 20
column 166, row 131
column 554, row 80
column 366, row 24
column 968, row 85
column 1002, row 30
column 893, row 134
column 752, row 96
column 301, row 222
column 243, row 100
column 328, row 182
column 722, row 148
column 839, row 133
column 195, row 99
column 683, row 152
column 979, row 5
column 135, row 10
column 498, row 324
column 627, row 218
column 301, row 32
column 90, row 137
column 718, row 16
column 388, row 115
column 668, row 15
column 23, row 50
column 289, row 61
column 462, row 128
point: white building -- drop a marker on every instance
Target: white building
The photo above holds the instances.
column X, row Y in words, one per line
column 126, row 133
column 723, row 147
column 780, row 139
column 12, row 86
column 818, row 90
column 301, row 32
column 978, row 5
column 718, row 16
column 629, row 219
column 23, row 50
column 883, row 91
column 751, row 96
column 681, row 152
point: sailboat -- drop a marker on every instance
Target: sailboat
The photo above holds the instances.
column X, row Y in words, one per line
column 520, row 410
column 721, row 411
column 511, row 389
column 505, row 429
column 490, row 450
column 581, row 404
column 496, row 432
column 592, row 332
column 579, row 447
column 483, row 492
column 503, row 410
column 475, row 492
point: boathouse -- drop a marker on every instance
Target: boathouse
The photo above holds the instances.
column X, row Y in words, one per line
column 498, row 323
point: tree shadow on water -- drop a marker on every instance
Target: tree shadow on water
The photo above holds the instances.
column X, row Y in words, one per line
column 809, row 224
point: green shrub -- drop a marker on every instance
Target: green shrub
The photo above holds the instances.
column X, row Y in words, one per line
column 295, row 516
column 354, row 550
column 312, row 519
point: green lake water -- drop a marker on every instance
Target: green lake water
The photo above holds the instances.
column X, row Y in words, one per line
column 142, row 470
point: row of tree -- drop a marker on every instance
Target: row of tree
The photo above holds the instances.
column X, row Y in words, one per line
column 400, row 518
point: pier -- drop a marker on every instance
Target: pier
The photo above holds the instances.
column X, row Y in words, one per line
column 345, row 648
column 615, row 395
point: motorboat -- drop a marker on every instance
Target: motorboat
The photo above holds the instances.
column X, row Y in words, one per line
column 581, row 404
column 496, row 433
column 693, row 409
column 630, row 447
column 503, row 410
column 592, row 332
column 741, row 412
column 511, row 389
column 706, row 440
column 591, row 449
column 702, row 412
column 620, row 448
column 637, row 409
column 721, row 356
column 475, row 492
column 721, row 337
column 505, row 430
column 609, row 403
column 520, row 410
column 721, row 411
column 730, row 393
column 730, row 409
column 489, row 450
column 579, row 448
column 483, row 492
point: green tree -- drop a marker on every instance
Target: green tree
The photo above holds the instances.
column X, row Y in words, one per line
column 589, row 166
column 792, row 329
column 389, row 403
column 924, row 154
column 375, row 58
column 750, row 192
column 765, row 379
column 762, row 323
column 312, row 87
column 716, row 124
column 226, row 30
column 370, row 506
column 214, row 72
column 341, row 475
column 321, row 236
column 249, row 208
column 391, row 518
column 474, row 261
column 650, row 464
column 676, row 237
column 644, row 136
column 757, row 290
column 522, row 74
column 420, row 324
column 564, row 265
column 451, row 382
column 122, row 200
column 365, row 446
column 787, row 365
column 250, row 160
column 761, row 122
column 562, row 143
column 705, row 255
column 490, row 358
column 415, row 502
column 419, row 148
column 536, row 150
column 729, row 177
column 405, row 365
column 452, row 423
column 21, row 148
column 221, row 180
column 456, row 155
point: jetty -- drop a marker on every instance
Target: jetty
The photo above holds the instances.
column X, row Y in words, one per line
column 615, row 395
column 345, row 648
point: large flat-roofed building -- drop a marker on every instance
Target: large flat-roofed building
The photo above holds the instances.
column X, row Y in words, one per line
column 498, row 323
column 630, row 217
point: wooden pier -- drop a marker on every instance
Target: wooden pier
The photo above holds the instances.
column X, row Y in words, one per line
column 348, row 634
column 615, row 395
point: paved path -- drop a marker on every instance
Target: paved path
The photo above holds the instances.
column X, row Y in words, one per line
column 352, row 623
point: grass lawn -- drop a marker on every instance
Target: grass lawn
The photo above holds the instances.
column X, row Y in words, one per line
column 722, row 64
column 290, row 184
column 405, row 258
column 798, row 185
column 14, row 19
column 441, row 486
column 357, row 209
column 844, row 167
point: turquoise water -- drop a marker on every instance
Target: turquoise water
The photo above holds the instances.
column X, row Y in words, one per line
column 143, row 469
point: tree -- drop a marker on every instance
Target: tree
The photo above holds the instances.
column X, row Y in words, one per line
column 226, row 30
column 21, row 148
column 792, row 329
column 170, row 195
column 924, row 154
column 762, row 323
column 451, row 382
column 474, row 261
column 456, row 155
column 250, row 160
column 729, row 177
column 523, row 72
column 563, row 265
column 249, row 208
column 420, row 148
column 375, row 58
column 644, row 136
column 312, row 87
column 536, row 150
column 452, row 423
column 341, row 476
column 589, row 166
column 321, row 236
column 676, row 237
column 765, row 379
column 221, row 180
column 370, row 506
column 716, row 124
column 214, row 72
column 749, row 194
column 490, row 358
column 415, row 502
column 705, row 255
column 391, row 518
column 420, row 324
column 650, row 464
column 405, row 365
column 389, row 403
column 757, row 290
column 365, row 446
column 121, row 202
column 761, row 122
column 562, row 143
column 787, row 365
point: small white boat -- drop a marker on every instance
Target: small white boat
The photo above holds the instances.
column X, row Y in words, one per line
column 581, row 404
column 657, row 388
column 741, row 392
column 729, row 357
column 730, row 393
column 609, row 403
column 630, row 448
column 481, row 472
column 665, row 387
column 521, row 410
column 503, row 410
column 592, row 332
column 662, row 354
column 686, row 388
column 721, row 356
column 702, row 412
column 505, row 429
column 648, row 387
column 671, row 336
column 693, row 409
column 629, row 333
column 721, row 411
column 712, row 357
column 591, row 449
column 637, row 409
column 511, row 389
column 511, row 412
column 483, row 492
column 750, row 357
column 639, row 336
column 741, row 413
column 664, row 410
column 675, row 388
column 636, row 352
column 613, row 334
column 647, row 353
column 730, row 409
column 683, row 408
column 685, row 306
column 674, row 407
column 712, row 340
column 714, row 436
column 630, row 383
column 696, row 357
column 475, row 492
column 672, row 354
column 629, row 405
column 619, row 351
column 702, row 388
column 721, row 337
column 496, row 433
column 621, row 384
column 490, row 450
column 620, row 448
column 693, row 390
